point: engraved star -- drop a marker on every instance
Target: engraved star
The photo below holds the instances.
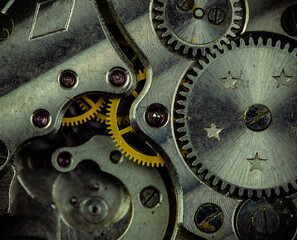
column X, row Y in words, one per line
column 229, row 81
column 256, row 162
column 213, row 131
column 283, row 79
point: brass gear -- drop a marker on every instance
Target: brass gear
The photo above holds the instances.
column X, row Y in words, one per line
column 124, row 147
column 93, row 108
column 122, row 120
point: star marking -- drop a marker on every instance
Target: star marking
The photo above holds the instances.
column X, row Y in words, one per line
column 213, row 131
column 283, row 79
column 229, row 81
column 256, row 162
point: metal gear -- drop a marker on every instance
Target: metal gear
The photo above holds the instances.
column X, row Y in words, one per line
column 117, row 135
column 237, row 119
column 191, row 26
column 90, row 113
column 122, row 120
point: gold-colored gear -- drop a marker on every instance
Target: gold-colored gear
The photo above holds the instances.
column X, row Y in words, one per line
column 100, row 117
column 122, row 120
column 124, row 147
column 90, row 113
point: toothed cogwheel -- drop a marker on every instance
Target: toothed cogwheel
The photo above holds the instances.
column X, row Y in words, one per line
column 122, row 120
column 194, row 26
column 91, row 111
column 124, row 147
column 238, row 119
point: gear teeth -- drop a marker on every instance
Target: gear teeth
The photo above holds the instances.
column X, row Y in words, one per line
column 181, row 102
column 161, row 26
column 182, row 129
column 251, row 41
column 287, row 47
column 171, row 40
column 260, row 42
column 193, row 48
column 268, row 192
column 88, row 115
column 237, row 18
column 186, row 49
column 286, row 188
column 232, row 34
column 216, row 181
column 294, row 185
column 165, row 34
column 191, row 155
column 82, row 105
column 203, row 51
column 184, row 94
column 187, row 85
column 194, row 51
column 181, row 112
column 202, row 169
column 208, row 176
column 219, row 45
column 269, row 42
column 195, row 163
column 178, row 45
column 124, row 147
column 241, row 192
column 187, row 147
column 232, row 189
column 242, row 42
column 224, row 185
column 183, row 138
column 259, row 194
column 278, row 44
column 236, row 27
column 159, row 17
column 160, row 9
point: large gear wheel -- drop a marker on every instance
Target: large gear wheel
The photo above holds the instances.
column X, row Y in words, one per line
column 117, row 135
column 194, row 26
column 90, row 111
column 238, row 119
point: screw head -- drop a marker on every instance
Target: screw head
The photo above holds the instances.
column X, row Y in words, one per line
column 41, row 118
column 185, row 5
column 257, row 117
column 156, row 115
column 289, row 20
column 209, row 218
column 117, row 77
column 198, row 13
column 271, row 220
column 3, row 153
column 68, row 79
column 150, row 197
column 266, row 221
column 64, row 159
column 216, row 16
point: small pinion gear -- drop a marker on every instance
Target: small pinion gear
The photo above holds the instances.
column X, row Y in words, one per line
column 191, row 27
